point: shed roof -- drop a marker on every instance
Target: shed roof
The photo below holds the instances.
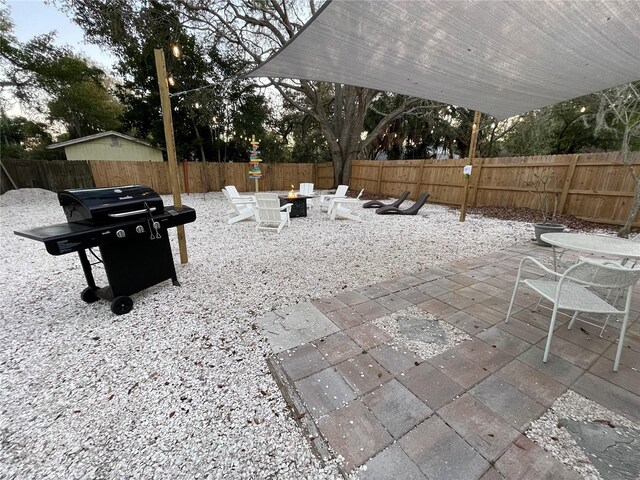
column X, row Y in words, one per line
column 96, row 136
column 501, row 57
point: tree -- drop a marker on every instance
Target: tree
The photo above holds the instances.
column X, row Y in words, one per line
column 24, row 138
column 48, row 78
column 204, row 100
column 85, row 108
column 563, row 128
column 619, row 113
column 256, row 29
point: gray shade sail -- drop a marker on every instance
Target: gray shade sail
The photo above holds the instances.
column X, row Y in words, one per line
column 500, row 57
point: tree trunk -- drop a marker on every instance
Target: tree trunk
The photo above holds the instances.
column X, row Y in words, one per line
column 195, row 127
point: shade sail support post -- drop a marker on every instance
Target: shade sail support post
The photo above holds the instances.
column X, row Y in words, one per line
column 472, row 153
column 167, row 120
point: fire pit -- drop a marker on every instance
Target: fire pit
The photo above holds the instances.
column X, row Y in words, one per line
column 299, row 204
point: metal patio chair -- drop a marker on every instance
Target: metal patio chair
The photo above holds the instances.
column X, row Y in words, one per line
column 572, row 290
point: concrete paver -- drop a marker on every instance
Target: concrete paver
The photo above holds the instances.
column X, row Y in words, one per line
column 346, row 318
column 355, row 433
column 392, row 414
column 489, row 434
column 337, row 348
column 363, row 373
column 466, row 322
column 464, row 371
column 395, row 358
column 324, row 392
column 397, row 408
column 536, row 385
column 526, row 461
column 513, row 406
column 368, row 335
column 302, row 361
column 502, row 340
column 609, row 395
column 391, row 464
column 430, row 385
column 555, row 367
column 441, row 453
column 292, row 326
column 578, row 356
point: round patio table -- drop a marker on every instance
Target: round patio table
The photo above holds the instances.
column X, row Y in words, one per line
column 614, row 247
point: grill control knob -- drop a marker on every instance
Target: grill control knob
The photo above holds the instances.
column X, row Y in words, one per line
column 120, row 233
column 140, row 229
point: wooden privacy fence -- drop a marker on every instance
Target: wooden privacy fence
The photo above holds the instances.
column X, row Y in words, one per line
column 595, row 187
column 209, row 176
column 51, row 175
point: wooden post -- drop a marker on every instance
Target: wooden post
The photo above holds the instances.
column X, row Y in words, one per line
column 379, row 177
column 419, row 182
column 476, row 182
column 567, row 183
column 167, row 120
column 472, row 152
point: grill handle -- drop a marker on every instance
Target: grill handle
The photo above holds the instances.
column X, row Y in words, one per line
column 130, row 214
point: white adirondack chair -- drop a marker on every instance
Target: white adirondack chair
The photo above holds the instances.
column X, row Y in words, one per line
column 272, row 216
column 325, row 200
column 343, row 208
column 233, row 193
column 306, row 189
column 242, row 208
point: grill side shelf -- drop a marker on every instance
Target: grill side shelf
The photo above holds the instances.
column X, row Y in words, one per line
column 63, row 238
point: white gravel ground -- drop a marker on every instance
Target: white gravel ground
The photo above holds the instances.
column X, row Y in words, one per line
column 179, row 388
column 451, row 336
column 556, row 440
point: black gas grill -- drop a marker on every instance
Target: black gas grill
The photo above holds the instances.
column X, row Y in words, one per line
column 129, row 225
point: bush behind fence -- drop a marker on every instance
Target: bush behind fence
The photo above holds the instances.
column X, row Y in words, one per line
column 596, row 187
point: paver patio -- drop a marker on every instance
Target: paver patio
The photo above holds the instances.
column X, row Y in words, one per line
column 458, row 415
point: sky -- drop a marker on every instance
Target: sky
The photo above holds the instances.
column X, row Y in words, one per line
column 34, row 17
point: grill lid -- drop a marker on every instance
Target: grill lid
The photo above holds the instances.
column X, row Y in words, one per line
column 103, row 205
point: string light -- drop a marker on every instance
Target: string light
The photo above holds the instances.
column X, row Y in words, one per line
column 176, row 51
column 171, row 80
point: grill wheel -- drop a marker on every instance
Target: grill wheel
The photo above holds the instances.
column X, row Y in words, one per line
column 89, row 295
column 121, row 305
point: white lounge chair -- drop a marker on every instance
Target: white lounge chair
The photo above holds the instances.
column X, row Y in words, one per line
column 242, row 208
column 571, row 291
column 272, row 216
column 325, row 200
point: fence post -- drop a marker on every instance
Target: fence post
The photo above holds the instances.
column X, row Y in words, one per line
column 379, row 177
column 567, row 183
column 419, row 184
column 476, row 182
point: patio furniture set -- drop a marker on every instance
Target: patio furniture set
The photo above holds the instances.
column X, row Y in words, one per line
column 589, row 285
column 273, row 212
